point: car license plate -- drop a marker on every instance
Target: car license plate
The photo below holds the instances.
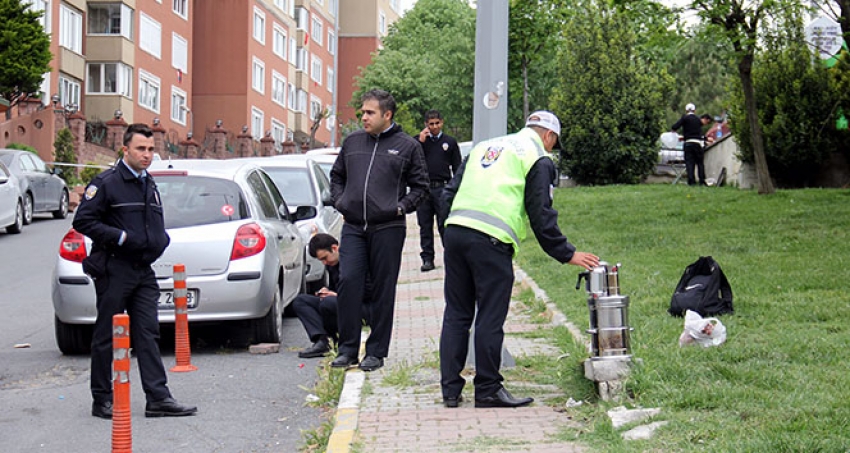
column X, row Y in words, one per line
column 166, row 299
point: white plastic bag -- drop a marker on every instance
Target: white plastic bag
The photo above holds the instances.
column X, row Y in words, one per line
column 705, row 332
column 670, row 140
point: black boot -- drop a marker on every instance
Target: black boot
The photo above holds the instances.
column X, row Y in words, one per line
column 318, row 349
column 427, row 265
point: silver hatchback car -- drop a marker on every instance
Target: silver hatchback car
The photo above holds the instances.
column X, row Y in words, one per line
column 232, row 230
column 304, row 185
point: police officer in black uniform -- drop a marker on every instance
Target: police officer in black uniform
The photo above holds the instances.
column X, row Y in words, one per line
column 442, row 156
column 122, row 214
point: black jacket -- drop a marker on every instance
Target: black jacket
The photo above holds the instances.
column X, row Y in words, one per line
column 691, row 127
column 442, row 156
column 114, row 202
column 372, row 174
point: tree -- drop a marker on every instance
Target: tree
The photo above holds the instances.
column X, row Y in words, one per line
column 427, row 62
column 24, row 51
column 796, row 106
column 531, row 50
column 63, row 151
column 608, row 97
column 741, row 22
column 317, row 122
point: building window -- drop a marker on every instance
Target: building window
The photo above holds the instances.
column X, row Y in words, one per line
column 315, row 108
column 44, row 7
column 316, row 69
column 149, row 91
column 318, row 30
column 278, row 88
column 331, row 42
column 256, row 123
column 259, row 26
column 382, row 22
column 279, row 44
column 291, row 99
column 70, row 29
column 181, row 8
column 332, row 7
column 282, row 5
column 109, row 78
column 258, row 76
column 330, row 79
column 150, row 35
column 394, row 6
column 179, row 53
column 301, row 105
column 178, row 106
column 330, row 121
column 301, row 18
column 279, row 135
column 69, row 91
column 293, row 50
column 110, row 19
column 301, row 59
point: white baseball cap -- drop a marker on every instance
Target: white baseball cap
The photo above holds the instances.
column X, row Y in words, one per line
column 548, row 120
column 690, row 108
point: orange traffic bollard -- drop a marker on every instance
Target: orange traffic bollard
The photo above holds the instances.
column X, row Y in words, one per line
column 182, row 349
column 122, row 429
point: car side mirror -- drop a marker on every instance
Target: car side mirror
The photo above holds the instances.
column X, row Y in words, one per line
column 305, row 212
column 4, row 179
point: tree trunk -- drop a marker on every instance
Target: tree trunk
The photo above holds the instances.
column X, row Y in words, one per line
column 765, row 185
column 525, row 111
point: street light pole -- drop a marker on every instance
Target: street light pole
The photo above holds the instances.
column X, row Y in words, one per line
column 490, row 104
column 191, row 120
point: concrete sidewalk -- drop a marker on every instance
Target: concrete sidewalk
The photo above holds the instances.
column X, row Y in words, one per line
column 398, row 408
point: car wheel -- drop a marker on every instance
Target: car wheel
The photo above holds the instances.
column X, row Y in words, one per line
column 28, row 206
column 73, row 339
column 16, row 227
column 269, row 328
column 62, row 212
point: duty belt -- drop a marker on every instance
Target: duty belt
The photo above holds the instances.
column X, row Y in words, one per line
column 436, row 184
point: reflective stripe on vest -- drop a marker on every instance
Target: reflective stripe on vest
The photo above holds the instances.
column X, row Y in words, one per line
column 488, row 219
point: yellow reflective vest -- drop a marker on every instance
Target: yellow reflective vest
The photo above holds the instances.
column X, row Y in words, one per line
column 491, row 196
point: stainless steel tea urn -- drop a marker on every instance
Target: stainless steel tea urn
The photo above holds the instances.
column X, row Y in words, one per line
column 609, row 312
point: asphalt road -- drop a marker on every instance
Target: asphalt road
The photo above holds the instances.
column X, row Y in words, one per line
column 246, row 402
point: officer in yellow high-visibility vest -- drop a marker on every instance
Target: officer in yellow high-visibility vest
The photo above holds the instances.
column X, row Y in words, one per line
column 503, row 182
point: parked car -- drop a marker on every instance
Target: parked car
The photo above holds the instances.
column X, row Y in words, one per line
column 232, row 230
column 42, row 190
column 11, row 202
column 306, row 188
column 325, row 157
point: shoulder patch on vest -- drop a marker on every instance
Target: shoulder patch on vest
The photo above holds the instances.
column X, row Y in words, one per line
column 91, row 191
column 491, row 156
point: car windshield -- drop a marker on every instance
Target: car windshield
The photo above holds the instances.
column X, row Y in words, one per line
column 194, row 200
column 6, row 158
column 294, row 184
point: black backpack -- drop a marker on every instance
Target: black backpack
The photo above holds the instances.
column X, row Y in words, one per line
column 704, row 289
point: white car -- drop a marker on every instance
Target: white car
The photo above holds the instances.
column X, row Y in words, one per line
column 11, row 202
column 306, row 189
column 232, row 230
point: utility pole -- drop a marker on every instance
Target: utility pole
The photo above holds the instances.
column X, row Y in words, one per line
column 490, row 106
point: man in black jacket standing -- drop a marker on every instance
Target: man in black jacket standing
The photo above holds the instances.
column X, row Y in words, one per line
column 122, row 214
column 442, row 156
column 369, row 183
column 691, row 126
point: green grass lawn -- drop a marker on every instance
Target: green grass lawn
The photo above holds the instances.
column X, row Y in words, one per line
column 781, row 382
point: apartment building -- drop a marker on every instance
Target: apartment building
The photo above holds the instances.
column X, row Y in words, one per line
column 267, row 68
column 362, row 25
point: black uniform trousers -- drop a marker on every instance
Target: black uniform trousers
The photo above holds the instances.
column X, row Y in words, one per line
column 376, row 253
column 131, row 287
column 479, row 272
column 317, row 315
column 425, row 213
column 694, row 157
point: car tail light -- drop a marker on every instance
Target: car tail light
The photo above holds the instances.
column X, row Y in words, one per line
column 249, row 241
column 73, row 246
